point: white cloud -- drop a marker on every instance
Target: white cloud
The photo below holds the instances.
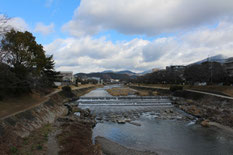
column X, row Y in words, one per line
column 149, row 17
column 86, row 54
column 16, row 23
column 44, row 29
column 48, row 3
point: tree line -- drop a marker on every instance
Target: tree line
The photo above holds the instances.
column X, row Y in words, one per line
column 24, row 65
column 207, row 72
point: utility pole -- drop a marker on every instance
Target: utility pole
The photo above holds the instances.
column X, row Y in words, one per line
column 211, row 72
column 211, row 69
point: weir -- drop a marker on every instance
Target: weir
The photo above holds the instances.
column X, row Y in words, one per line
column 125, row 101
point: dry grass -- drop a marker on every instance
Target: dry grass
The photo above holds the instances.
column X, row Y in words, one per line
column 76, row 138
column 227, row 90
column 120, row 91
column 12, row 105
column 73, row 87
column 128, row 91
column 77, row 87
column 36, row 142
column 15, row 105
column 146, row 93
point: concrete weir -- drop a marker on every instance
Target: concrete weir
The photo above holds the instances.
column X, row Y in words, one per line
column 125, row 101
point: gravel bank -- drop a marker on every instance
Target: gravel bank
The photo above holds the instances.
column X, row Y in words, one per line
column 111, row 148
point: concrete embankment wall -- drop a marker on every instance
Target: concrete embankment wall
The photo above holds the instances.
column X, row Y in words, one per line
column 23, row 123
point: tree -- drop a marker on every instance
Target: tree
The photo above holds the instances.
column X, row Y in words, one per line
column 209, row 72
column 48, row 73
column 26, row 62
column 3, row 24
column 21, row 49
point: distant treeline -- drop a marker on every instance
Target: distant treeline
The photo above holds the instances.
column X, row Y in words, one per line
column 207, row 72
column 106, row 76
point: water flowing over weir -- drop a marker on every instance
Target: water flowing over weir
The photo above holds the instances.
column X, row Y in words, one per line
column 125, row 101
column 152, row 123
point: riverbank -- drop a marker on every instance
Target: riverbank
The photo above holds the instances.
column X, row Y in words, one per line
column 214, row 89
column 29, row 130
column 74, row 134
column 112, row 148
column 205, row 107
column 125, row 91
column 22, row 103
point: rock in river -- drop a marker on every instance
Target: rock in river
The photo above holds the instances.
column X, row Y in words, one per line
column 205, row 123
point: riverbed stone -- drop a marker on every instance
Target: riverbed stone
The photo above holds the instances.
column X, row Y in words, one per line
column 135, row 123
column 205, row 123
column 121, row 121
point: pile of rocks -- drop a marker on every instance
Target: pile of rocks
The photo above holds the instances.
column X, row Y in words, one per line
column 132, row 115
column 214, row 111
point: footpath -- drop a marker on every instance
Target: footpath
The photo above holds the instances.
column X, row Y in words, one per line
column 190, row 90
column 16, row 106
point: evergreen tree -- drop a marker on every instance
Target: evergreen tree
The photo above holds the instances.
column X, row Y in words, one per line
column 26, row 63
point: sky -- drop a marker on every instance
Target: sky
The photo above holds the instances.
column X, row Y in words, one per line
column 137, row 35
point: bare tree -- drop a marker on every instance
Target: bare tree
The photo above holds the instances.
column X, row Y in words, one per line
column 4, row 27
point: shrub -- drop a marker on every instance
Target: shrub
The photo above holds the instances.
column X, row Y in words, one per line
column 13, row 149
column 67, row 91
column 175, row 88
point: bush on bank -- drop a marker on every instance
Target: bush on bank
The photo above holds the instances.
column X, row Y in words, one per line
column 175, row 88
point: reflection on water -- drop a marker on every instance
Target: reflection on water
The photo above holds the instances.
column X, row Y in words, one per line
column 167, row 137
column 100, row 92
column 162, row 135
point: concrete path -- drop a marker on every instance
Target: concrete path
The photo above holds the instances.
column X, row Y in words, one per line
column 195, row 91
column 46, row 98
column 212, row 94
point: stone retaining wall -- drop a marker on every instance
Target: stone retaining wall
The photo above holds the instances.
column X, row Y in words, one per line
column 23, row 123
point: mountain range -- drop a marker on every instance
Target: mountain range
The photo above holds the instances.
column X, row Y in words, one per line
column 217, row 58
column 127, row 74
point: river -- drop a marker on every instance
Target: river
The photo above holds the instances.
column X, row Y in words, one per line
column 163, row 129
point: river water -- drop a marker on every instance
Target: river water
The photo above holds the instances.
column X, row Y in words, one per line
column 165, row 134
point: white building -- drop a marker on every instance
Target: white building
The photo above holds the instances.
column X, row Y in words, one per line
column 67, row 76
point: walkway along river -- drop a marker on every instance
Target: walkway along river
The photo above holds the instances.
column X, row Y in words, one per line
column 152, row 123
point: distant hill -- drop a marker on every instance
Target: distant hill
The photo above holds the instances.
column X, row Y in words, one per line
column 217, row 58
column 107, row 71
column 128, row 72
column 105, row 76
column 146, row 72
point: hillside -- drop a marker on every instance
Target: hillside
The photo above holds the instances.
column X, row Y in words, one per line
column 105, row 76
column 217, row 58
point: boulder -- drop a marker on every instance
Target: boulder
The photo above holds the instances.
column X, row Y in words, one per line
column 121, row 121
column 205, row 123
column 135, row 123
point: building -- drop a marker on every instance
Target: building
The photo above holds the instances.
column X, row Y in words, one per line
column 99, row 80
column 114, row 80
column 67, row 76
column 229, row 66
